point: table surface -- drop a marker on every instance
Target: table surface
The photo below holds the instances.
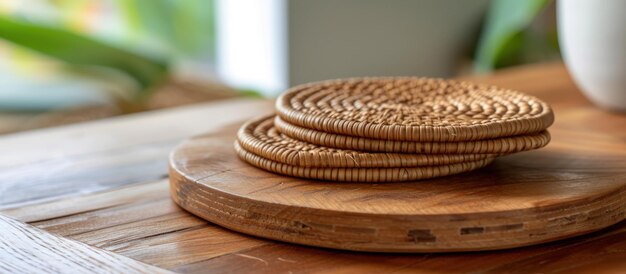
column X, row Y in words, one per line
column 95, row 196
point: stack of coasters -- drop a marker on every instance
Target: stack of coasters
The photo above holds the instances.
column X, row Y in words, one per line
column 392, row 129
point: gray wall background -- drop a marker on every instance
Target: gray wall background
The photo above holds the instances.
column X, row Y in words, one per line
column 345, row 38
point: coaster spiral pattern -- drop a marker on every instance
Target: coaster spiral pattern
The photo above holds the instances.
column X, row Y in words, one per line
column 413, row 109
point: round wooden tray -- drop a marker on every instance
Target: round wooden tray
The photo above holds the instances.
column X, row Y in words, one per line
column 519, row 200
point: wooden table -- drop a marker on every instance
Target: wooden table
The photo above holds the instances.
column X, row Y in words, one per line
column 94, row 196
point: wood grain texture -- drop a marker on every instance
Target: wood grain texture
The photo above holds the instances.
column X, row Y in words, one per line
column 96, row 156
column 519, row 200
column 172, row 238
column 25, row 249
column 139, row 221
column 166, row 241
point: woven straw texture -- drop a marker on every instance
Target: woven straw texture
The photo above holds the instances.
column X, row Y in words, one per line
column 260, row 137
column 413, row 109
column 363, row 175
column 505, row 145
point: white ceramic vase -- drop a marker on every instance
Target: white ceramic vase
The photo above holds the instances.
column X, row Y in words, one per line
column 592, row 36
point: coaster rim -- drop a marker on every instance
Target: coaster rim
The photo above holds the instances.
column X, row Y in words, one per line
column 360, row 175
column 510, row 127
column 499, row 146
column 333, row 157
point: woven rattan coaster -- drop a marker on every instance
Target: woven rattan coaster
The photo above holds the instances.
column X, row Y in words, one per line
column 260, row 137
column 413, row 109
column 362, row 175
column 505, row 145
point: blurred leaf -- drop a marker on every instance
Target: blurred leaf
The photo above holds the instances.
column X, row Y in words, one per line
column 80, row 50
column 186, row 27
column 502, row 34
column 193, row 25
column 251, row 93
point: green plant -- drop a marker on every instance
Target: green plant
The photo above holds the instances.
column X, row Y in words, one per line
column 184, row 27
column 79, row 50
column 169, row 29
column 507, row 39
